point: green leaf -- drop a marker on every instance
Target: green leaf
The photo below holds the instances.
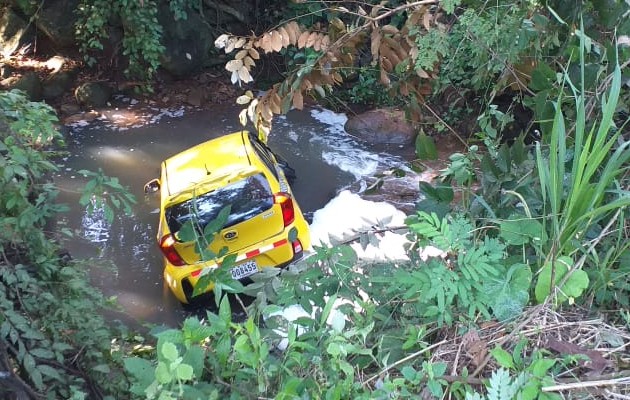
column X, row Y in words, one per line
column 439, row 369
column 572, row 288
column 519, row 230
column 543, row 77
column 169, row 351
column 184, row 372
column 50, row 372
column 540, row 367
column 104, row 368
column 327, row 309
column 503, row 358
column 217, row 224
column 435, row 388
column 425, row 147
column 163, row 374
column 334, row 349
column 42, row 353
column 187, row 232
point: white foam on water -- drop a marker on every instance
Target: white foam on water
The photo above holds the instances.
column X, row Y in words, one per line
column 344, row 151
column 347, row 214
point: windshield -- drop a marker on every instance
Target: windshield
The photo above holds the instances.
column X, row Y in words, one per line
column 247, row 198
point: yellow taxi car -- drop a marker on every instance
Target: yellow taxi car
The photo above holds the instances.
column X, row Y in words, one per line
column 265, row 227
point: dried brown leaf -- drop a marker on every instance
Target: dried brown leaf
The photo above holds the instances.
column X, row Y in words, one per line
column 265, row 43
column 389, row 29
column 386, row 64
column 396, row 46
column 239, row 43
column 375, row 43
column 422, row 73
column 293, row 29
column 234, row 65
column 276, row 41
column 306, row 84
column 415, row 16
column 404, row 89
column 325, row 43
column 285, row 36
column 231, row 42
column 384, row 78
column 298, row 100
column 241, row 54
column 248, row 62
column 426, row 21
column 275, row 103
column 264, row 110
column 243, row 73
column 253, row 53
column 312, row 38
column 302, row 39
column 389, row 54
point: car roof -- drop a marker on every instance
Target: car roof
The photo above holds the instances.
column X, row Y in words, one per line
column 209, row 161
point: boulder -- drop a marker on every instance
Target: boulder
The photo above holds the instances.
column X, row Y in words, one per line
column 29, row 83
column 57, row 84
column 93, row 94
column 187, row 42
column 57, row 19
column 382, row 126
column 15, row 32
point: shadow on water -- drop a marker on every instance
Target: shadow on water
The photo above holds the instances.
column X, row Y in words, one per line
column 122, row 257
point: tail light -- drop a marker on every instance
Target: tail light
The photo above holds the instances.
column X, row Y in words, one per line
column 167, row 245
column 297, row 247
column 286, row 205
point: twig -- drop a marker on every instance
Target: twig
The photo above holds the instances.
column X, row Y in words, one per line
column 373, row 231
column 616, row 395
column 532, row 312
column 10, row 378
column 404, row 360
column 586, row 384
column 605, row 377
column 445, row 124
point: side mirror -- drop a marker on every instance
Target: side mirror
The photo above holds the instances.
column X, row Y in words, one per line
column 152, row 186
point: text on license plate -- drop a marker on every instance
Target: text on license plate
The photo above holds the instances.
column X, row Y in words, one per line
column 243, row 270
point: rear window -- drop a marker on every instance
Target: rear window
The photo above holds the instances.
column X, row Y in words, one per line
column 248, row 198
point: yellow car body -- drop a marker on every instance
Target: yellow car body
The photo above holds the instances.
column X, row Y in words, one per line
column 265, row 228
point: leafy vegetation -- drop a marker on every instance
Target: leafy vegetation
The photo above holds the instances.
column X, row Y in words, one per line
column 54, row 342
column 539, row 227
column 142, row 33
column 334, row 327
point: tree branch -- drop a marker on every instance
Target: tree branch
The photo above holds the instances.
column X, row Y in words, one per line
column 9, row 379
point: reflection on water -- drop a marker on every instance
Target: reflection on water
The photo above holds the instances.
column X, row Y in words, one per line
column 95, row 226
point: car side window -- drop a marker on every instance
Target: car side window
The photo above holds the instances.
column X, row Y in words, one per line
column 265, row 157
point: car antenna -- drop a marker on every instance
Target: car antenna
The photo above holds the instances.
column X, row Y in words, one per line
column 207, row 170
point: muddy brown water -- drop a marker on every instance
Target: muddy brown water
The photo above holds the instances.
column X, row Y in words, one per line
column 122, row 258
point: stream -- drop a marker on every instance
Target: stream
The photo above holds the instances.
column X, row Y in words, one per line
column 130, row 140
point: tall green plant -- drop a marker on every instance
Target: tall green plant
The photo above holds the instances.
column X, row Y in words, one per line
column 587, row 192
column 579, row 184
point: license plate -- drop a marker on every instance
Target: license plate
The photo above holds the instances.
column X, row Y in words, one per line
column 244, row 270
